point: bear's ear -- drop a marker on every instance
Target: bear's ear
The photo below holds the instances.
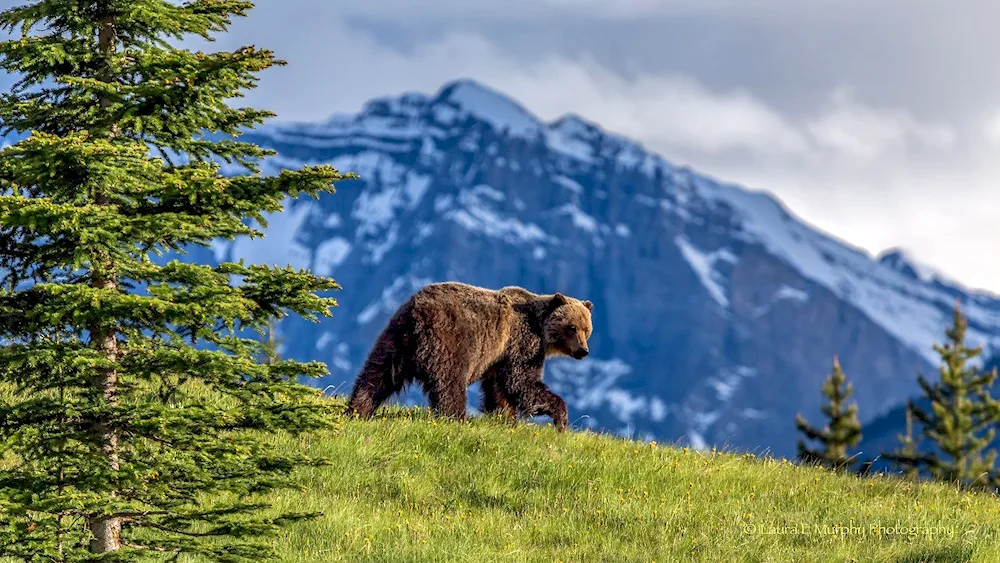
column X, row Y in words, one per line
column 588, row 305
column 557, row 300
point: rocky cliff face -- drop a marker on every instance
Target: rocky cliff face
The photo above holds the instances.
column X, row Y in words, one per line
column 716, row 312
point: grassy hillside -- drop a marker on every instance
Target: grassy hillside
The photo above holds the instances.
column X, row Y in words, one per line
column 405, row 487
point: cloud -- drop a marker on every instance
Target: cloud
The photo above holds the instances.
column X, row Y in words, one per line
column 856, row 129
column 991, row 128
column 672, row 112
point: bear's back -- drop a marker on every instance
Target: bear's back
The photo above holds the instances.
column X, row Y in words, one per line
column 455, row 291
column 518, row 295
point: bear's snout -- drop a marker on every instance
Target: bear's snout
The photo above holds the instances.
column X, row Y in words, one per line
column 581, row 353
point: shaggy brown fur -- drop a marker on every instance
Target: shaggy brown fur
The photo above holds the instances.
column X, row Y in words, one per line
column 449, row 335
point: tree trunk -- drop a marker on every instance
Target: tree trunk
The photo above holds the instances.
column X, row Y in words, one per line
column 106, row 531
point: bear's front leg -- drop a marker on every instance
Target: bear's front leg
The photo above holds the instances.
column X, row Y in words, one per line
column 552, row 405
column 532, row 397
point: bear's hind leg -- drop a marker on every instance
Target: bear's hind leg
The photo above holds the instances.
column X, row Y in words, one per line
column 494, row 401
column 448, row 398
column 375, row 384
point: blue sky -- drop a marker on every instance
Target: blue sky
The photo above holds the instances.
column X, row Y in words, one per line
column 876, row 120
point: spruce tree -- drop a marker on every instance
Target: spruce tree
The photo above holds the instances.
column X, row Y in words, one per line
column 841, row 432
column 133, row 414
column 961, row 419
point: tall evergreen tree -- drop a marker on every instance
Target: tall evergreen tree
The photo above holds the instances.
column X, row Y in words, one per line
column 961, row 421
column 132, row 412
column 841, row 432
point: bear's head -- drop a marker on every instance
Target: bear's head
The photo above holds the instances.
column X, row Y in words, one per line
column 567, row 327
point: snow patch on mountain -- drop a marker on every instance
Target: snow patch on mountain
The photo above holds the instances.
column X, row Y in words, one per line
column 492, row 107
column 475, row 212
column 580, row 219
column 568, row 183
column 379, row 249
column 482, row 190
column 784, row 293
column 633, row 156
column 703, row 264
column 791, row 294
column 903, row 261
column 400, row 188
column 568, row 137
column 727, row 382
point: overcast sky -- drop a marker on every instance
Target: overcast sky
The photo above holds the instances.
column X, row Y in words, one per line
column 876, row 120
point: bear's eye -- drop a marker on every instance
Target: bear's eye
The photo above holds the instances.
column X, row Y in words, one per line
column 571, row 330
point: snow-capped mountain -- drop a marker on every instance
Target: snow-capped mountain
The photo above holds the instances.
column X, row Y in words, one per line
column 716, row 312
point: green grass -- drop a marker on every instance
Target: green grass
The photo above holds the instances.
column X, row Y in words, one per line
column 407, row 487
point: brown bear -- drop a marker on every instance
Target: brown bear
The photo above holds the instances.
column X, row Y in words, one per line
column 448, row 335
